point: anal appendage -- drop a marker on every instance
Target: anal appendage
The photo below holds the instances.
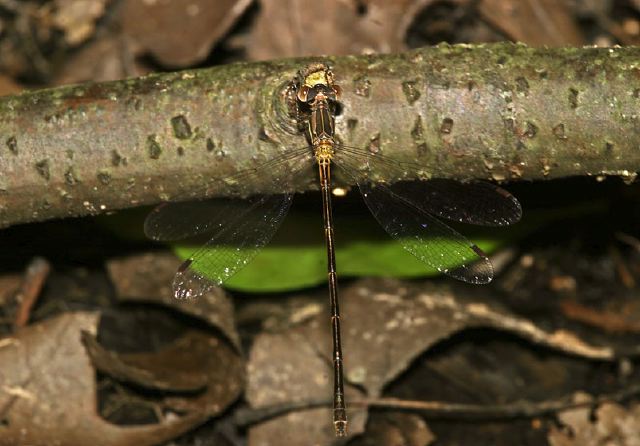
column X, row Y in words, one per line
column 340, row 422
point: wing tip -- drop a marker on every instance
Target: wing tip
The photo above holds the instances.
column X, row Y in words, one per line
column 516, row 208
column 183, row 283
column 184, row 265
column 478, row 272
column 151, row 224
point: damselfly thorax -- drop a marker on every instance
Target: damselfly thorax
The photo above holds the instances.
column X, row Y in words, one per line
column 315, row 88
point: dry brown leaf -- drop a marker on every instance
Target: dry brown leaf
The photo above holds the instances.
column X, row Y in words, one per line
column 106, row 58
column 8, row 86
column 194, row 362
column 179, row 33
column 612, row 425
column 283, row 368
column 303, row 428
column 48, row 391
column 148, row 278
column 76, row 18
column 616, row 317
column 534, row 22
column 293, row 28
column 402, row 321
column 148, row 369
column 395, row 429
column 9, row 284
column 386, row 325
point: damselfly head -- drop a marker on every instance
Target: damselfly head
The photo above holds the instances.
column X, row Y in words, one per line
column 314, row 82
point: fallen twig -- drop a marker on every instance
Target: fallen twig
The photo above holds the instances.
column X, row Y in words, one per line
column 29, row 291
column 439, row 409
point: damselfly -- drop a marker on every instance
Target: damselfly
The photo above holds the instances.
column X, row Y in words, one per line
column 407, row 210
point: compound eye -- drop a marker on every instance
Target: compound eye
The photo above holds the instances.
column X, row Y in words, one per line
column 311, row 95
column 303, row 93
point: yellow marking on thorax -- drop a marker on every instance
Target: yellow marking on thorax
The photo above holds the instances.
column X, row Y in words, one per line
column 323, row 152
column 318, row 77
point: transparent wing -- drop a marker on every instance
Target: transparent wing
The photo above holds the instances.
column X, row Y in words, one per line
column 422, row 234
column 237, row 242
column 180, row 218
column 241, row 227
column 476, row 202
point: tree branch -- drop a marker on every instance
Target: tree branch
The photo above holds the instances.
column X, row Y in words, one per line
column 498, row 111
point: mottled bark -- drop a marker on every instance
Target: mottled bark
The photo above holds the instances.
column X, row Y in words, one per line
column 475, row 111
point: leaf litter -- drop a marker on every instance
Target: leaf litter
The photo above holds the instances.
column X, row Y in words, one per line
column 147, row 278
column 48, row 388
column 48, row 391
column 608, row 424
column 388, row 324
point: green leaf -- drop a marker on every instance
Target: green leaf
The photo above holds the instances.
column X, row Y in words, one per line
column 296, row 258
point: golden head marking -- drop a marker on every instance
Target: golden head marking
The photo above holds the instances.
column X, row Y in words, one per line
column 316, row 79
column 315, row 74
